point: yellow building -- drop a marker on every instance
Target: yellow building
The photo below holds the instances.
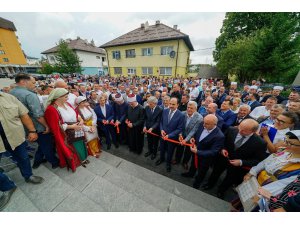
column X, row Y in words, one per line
column 12, row 58
column 157, row 50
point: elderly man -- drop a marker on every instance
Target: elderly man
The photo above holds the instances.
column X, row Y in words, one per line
column 153, row 115
column 275, row 111
column 192, row 120
column 13, row 119
column 242, row 147
column 212, row 109
column 203, row 109
column 24, row 93
column 208, row 140
column 171, row 125
column 262, row 112
column 166, row 102
column 93, row 99
column 135, row 118
column 242, row 114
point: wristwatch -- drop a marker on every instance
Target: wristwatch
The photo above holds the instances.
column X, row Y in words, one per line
column 32, row 131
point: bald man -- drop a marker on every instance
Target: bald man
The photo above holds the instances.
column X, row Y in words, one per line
column 71, row 96
column 242, row 148
column 209, row 140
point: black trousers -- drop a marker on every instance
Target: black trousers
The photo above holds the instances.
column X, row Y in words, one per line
column 152, row 143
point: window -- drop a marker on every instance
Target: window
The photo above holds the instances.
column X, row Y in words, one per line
column 165, row 70
column 118, row 70
column 103, row 59
column 2, row 52
column 52, row 58
column 147, row 70
column 165, row 50
column 131, row 71
column 147, row 51
column 97, row 57
column 116, row 54
column 5, row 60
column 130, row 53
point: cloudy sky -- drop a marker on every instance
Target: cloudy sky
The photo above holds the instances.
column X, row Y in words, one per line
column 40, row 31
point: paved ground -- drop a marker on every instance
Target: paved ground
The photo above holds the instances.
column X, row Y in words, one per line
column 4, row 82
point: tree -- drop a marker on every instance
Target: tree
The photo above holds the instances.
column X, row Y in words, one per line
column 47, row 68
column 268, row 49
column 67, row 60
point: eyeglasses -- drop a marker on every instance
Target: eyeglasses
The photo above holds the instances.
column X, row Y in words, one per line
column 288, row 143
column 280, row 121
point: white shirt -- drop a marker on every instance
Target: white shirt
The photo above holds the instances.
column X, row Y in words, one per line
column 194, row 93
column 280, row 135
column 259, row 111
column 103, row 109
column 205, row 133
column 71, row 99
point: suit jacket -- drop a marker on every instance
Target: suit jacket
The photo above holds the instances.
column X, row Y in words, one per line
column 221, row 99
column 254, row 105
column 175, row 125
column 211, row 144
column 237, row 122
column 153, row 120
column 120, row 111
column 190, row 129
column 109, row 113
column 229, row 118
column 251, row 152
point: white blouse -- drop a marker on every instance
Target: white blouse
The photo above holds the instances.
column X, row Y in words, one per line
column 68, row 115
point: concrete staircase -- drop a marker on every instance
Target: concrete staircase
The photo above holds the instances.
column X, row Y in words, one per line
column 108, row 184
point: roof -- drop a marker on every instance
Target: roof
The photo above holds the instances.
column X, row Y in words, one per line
column 146, row 34
column 78, row 44
column 6, row 24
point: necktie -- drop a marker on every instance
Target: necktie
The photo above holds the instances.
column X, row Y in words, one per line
column 239, row 142
column 152, row 111
column 170, row 116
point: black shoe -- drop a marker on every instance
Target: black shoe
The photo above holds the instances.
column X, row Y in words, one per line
column 147, row 154
column 207, row 186
column 108, row 147
column 36, row 165
column 153, row 157
column 158, row 162
column 220, row 194
column 196, row 185
column 116, row 145
column 35, row 180
column 4, row 199
column 187, row 174
column 54, row 166
column 168, row 169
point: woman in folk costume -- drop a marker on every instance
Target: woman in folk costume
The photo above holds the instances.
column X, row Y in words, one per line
column 90, row 121
column 67, row 128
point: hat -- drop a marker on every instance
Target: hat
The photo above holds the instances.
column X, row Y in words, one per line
column 294, row 134
column 253, row 87
column 278, row 88
column 235, row 83
column 55, row 94
column 118, row 97
column 131, row 98
column 80, row 99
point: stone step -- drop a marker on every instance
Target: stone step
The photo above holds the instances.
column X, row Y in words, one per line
column 199, row 198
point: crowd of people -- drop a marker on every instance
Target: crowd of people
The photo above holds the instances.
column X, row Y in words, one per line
column 198, row 123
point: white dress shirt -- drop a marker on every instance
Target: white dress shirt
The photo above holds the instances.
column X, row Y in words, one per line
column 259, row 111
column 103, row 109
column 205, row 133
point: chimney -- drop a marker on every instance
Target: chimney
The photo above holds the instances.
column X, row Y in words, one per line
column 146, row 26
column 157, row 22
column 175, row 27
column 142, row 25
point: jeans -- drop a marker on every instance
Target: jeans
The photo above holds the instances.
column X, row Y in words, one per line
column 5, row 183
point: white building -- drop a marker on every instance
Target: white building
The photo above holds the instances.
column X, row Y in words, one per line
column 93, row 59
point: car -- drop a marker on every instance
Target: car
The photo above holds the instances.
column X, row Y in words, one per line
column 3, row 75
column 38, row 76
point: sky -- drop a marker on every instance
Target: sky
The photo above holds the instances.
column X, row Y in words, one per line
column 40, row 31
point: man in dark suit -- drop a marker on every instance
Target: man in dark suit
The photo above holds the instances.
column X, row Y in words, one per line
column 192, row 120
column 105, row 114
column 171, row 125
column 242, row 148
column 243, row 114
column 209, row 140
column 252, row 100
column 221, row 96
column 153, row 116
column 228, row 116
column 212, row 109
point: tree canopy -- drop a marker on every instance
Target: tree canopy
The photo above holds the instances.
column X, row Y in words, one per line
column 259, row 45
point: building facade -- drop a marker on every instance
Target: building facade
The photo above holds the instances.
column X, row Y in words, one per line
column 156, row 50
column 93, row 59
column 12, row 59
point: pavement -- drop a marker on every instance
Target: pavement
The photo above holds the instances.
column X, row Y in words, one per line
column 113, row 183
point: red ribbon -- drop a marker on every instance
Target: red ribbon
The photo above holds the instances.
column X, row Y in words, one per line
column 177, row 142
column 115, row 125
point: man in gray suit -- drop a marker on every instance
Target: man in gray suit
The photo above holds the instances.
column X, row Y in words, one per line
column 191, row 124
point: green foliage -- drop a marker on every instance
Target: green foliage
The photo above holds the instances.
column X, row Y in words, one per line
column 259, row 45
column 47, row 68
column 67, row 60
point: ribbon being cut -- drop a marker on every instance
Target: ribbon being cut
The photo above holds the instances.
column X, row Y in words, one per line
column 105, row 122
